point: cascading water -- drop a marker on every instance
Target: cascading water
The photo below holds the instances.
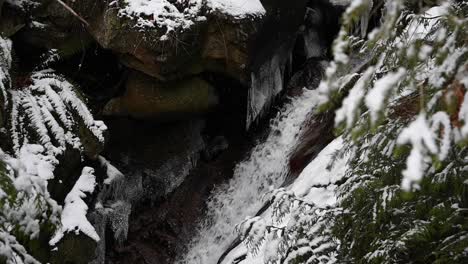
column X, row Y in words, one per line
column 266, row 166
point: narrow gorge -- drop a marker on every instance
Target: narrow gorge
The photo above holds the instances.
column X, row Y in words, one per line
column 233, row 131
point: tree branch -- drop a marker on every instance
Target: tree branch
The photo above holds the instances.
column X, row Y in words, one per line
column 73, row 12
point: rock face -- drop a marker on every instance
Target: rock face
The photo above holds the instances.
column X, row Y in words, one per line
column 292, row 32
column 147, row 98
column 215, row 44
column 176, row 40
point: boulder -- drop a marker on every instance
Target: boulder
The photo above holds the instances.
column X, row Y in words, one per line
column 206, row 41
column 148, row 98
column 163, row 39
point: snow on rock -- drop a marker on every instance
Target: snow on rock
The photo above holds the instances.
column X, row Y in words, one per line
column 73, row 217
column 237, row 8
column 162, row 13
column 181, row 14
column 315, row 185
column 317, row 181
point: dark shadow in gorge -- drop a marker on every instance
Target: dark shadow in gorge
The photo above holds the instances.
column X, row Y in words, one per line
column 161, row 228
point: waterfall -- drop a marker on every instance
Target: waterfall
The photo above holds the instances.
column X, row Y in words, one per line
column 267, row 165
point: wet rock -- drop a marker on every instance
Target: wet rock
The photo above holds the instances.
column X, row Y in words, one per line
column 159, row 155
column 158, row 232
column 308, row 76
column 214, row 148
column 225, row 49
column 72, row 248
column 209, row 40
column 317, row 133
column 271, row 55
column 292, row 33
column 147, row 98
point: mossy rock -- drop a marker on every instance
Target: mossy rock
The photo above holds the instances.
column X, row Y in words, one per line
column 74, row 249
column 147, row 98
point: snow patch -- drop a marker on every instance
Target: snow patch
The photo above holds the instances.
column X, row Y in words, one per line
column 182, row 14
column 318, row 173
column 73, row 217
column 237, row 8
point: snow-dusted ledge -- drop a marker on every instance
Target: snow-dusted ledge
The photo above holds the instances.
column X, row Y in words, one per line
column 183, row 14
column 237, row 8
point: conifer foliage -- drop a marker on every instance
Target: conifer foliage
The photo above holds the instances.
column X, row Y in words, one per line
column 401, row 108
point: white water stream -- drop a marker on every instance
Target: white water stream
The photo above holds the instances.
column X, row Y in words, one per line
column 267, row 165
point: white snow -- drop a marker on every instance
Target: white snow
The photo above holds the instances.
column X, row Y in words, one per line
column 418, row 30
column 169, row 14
column 318, row 174
column 29, row 174
column 441, row 125
column 150, row 13
column 73, row 217
column 237, row 8
column 463, row 115
column 376, row 97
column 350, row 108
column 438, row 75
column 421, row 137
column 52, row 108
column 35, row 163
